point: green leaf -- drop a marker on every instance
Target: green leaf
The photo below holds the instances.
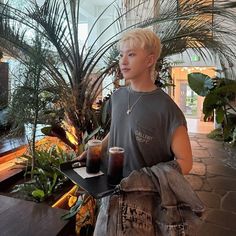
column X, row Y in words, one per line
column 209, row 104
column 200, row 83
column 73, row 210
column 38, row 193
column 226, row 89
column 68, row 215
column 227, row 132
column 47, row 131
column 104, row 111
column 220, row 115
column 88, row 137
column 53, row 182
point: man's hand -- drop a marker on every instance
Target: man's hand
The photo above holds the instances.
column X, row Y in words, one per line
column 81, row 157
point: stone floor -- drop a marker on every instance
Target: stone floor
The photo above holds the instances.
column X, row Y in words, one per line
column 214, row 180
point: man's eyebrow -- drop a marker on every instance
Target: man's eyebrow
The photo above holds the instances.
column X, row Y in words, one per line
column 130, row 50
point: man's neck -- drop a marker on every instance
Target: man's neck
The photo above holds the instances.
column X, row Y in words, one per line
column 143, row 86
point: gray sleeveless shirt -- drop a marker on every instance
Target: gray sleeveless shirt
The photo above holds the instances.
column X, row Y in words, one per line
column 146, row 132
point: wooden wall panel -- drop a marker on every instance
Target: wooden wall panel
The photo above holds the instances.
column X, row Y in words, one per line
column 4, row 88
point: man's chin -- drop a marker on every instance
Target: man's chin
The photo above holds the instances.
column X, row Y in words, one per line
column 127, row 78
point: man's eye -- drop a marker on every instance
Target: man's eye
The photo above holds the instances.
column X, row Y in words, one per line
column 131, row 54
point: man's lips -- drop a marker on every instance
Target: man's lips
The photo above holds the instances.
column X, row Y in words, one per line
column 124, row 70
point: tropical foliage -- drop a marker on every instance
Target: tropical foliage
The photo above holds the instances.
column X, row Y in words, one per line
column 84, row 207
column 75, row 72
column 220, row 94
column 47, row 179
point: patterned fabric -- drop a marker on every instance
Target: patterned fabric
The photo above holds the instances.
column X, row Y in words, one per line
column 156, row 201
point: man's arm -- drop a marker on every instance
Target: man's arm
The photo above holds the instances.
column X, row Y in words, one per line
column 181, row 148
column 105, row 143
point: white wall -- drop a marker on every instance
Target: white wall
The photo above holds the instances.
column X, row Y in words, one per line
column 185, row 59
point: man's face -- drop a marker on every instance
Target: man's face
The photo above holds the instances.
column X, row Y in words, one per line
column 135, row 62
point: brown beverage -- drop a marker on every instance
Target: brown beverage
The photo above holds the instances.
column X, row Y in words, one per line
column 93, row 156
column 115, row 165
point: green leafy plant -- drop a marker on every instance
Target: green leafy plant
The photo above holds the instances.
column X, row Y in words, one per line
column 219, row 94
column 216, row 134
column 46, row 179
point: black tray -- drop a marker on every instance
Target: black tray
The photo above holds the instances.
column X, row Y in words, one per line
column 97, row 186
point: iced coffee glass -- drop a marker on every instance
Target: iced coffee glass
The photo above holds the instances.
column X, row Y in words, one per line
column 94, row 154
column 115, row 165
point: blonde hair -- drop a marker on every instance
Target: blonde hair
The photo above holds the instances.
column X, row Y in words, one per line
column 143, row 38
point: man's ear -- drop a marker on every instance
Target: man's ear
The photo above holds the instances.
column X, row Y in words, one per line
column 150, row 60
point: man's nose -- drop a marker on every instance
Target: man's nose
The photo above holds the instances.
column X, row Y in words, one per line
column 123, row 60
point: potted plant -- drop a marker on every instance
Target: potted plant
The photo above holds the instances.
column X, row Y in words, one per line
column 46, row 181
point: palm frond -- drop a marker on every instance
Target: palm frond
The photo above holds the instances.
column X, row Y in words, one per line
column 68, row 66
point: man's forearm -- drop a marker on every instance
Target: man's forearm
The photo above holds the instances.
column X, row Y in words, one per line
column 105, row 143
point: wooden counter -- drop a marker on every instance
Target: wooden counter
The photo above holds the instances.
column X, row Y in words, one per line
column 25, row 218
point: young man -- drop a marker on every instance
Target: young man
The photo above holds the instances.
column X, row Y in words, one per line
column 152, row 129
column 145, row 120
